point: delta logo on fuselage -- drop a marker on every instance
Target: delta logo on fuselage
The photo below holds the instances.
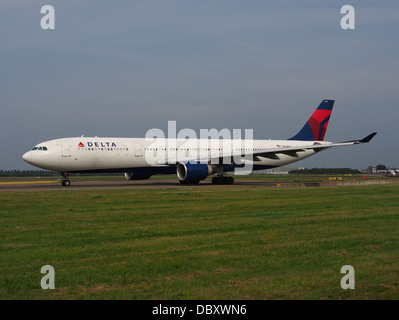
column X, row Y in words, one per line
column 98, row 144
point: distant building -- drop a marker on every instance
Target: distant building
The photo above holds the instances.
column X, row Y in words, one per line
column 388, row 171
column 371, row 170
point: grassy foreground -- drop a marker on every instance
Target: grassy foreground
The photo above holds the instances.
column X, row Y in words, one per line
column 203, row 243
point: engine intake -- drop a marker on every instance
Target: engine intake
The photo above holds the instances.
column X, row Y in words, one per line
column 192, row 172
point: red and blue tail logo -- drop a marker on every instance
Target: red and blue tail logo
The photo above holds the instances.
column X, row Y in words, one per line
column 316, row 127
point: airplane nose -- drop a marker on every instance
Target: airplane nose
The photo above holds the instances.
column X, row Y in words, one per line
column 27, row 157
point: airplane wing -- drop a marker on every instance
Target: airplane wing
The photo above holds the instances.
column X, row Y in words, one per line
column 271, row 153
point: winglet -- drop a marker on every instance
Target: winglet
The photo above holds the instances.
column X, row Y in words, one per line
column 368, row 138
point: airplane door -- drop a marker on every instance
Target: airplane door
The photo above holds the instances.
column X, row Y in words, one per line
column 138, row 150
column 65, row 150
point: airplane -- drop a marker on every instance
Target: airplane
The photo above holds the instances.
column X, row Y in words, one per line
column 187, row 158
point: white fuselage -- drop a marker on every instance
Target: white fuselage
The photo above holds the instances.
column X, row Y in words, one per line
column 192, row 160
column 79, row 154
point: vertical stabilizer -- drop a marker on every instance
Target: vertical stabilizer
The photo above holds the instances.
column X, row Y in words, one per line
column 315, row 128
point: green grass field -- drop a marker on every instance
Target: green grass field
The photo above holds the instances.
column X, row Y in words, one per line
column 201, row 243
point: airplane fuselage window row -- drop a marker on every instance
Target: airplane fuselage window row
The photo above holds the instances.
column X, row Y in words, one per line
column 163, row 149
column 149, row 149
column 198, row 149
column 103, row 149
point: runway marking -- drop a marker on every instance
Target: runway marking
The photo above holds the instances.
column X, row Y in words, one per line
column 25, row 182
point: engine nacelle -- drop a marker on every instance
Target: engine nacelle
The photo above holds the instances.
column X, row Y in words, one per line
column 132, row 175
column 192, row 172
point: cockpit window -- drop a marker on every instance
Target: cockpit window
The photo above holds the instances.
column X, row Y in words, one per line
column 40, row 148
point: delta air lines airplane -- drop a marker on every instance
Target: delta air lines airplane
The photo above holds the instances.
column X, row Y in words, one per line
column 192, row 160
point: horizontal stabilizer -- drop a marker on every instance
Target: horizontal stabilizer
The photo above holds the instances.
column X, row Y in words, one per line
column 364, row 140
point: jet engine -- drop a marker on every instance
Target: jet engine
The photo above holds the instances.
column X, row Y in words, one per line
column 132, row 175
column 192, row 172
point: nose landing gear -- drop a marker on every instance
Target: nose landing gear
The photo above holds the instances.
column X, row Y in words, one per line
column 65, row 182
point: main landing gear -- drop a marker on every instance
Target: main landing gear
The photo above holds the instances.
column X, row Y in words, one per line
column 222, row 180
column 65, row 182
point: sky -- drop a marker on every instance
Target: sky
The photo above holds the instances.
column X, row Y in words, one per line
column 120, row 68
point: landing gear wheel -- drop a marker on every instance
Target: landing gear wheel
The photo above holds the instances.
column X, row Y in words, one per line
column 216, row 180
column 222, row 180
column 66, row 183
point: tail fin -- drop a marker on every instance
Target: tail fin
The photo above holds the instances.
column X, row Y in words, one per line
column 315, row 128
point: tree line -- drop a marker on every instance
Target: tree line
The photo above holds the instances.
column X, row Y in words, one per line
column 27, row 173
column 326, row 171
column 44, row 173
